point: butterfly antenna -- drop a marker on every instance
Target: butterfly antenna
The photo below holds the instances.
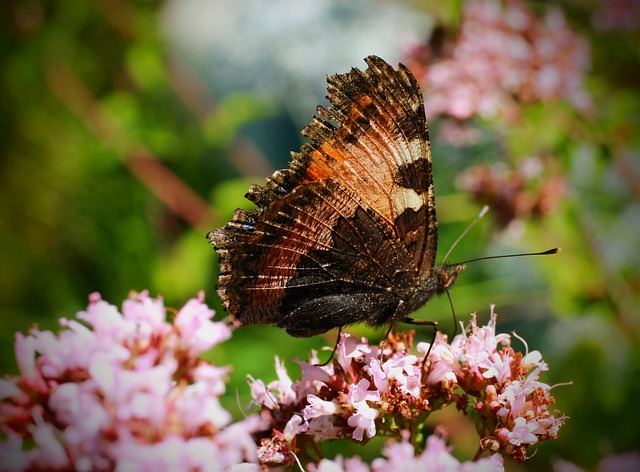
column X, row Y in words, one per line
column 554, row 250
column 483, row 212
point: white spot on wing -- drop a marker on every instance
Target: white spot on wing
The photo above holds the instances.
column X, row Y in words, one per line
column 404, row 198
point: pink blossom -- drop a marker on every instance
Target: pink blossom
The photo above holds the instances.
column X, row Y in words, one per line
column 146, row 312
column 196, row 328
column 406, row 371
column 365, row 392
column 25, row 349
column 340, row 464
column 318, row 407
column 123, row 392
column 349, row 349
column 8, row 389
column 360, row 392
column 80, row 407
column 261, row 396
column 293, row 427
column 443, row 362
column 512, row 399
column 127, row 399
column 211, row 376
column 496, row 366
column 199, row 408
column 51, row 453
column 284, row 383
column 173, row 453
column 236, row 444
column 523, row 432
column 324, row 427
column 378, row 376
column 505, row 57
column 363, row 420
column 436, row 456
column 14, row 458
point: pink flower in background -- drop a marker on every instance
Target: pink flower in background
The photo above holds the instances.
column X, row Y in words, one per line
column 402, row 456
column 513, row 194
column 504, row 56
column 616, row 15
column 126, row 391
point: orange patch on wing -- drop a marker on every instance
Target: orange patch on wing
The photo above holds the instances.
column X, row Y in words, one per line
column 363, row 102
column 329, row 148
column 317, row 169
column 324, row 162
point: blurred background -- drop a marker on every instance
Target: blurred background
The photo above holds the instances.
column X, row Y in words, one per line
column 130, row 129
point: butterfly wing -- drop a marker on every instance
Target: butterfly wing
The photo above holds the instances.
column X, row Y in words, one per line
column 349, row 227
column 312, row 262
column 380, row 149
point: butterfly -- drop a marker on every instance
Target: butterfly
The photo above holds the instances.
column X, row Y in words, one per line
column 347, row 233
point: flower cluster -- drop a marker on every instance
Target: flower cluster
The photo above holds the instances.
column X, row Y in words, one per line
column 504, row 57
column 128, row 391
column 402, row 456
column 515, row 193
column 368, row 390
column 121, row 391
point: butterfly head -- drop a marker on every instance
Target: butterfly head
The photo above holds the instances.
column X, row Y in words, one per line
column 444, row 276
column 438, row 282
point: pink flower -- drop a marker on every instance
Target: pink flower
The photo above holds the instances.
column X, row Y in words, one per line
column 124, row 392
column 406, row 371
column 294, row 426
column 197, row 331
column 436, row 456
column 367, row 392
column 363, row 420
column 146, row 313
column 235, row 442
column 8, row 389
column 199, row 408
column 51, row 453
column 349, row 349
column 505, row 57
column 25, row 349
column 80, row 407
column 497, row 367
column 261, row 396
column 360, row 392
column 317, row 407
column 340, row 464
column 523, row 432
column 324, row 427
column 14, row 458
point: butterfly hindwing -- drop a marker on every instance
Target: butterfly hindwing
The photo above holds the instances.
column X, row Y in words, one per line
column 317, row 259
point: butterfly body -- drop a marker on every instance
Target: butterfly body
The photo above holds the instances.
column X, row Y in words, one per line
column 348, row 232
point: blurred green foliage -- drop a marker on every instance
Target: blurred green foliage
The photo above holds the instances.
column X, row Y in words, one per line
column 117, row 159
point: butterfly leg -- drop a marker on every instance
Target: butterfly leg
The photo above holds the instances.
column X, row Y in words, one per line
column 434, row 324
column 391, row 328
column 335, row 348
column 453, row 313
